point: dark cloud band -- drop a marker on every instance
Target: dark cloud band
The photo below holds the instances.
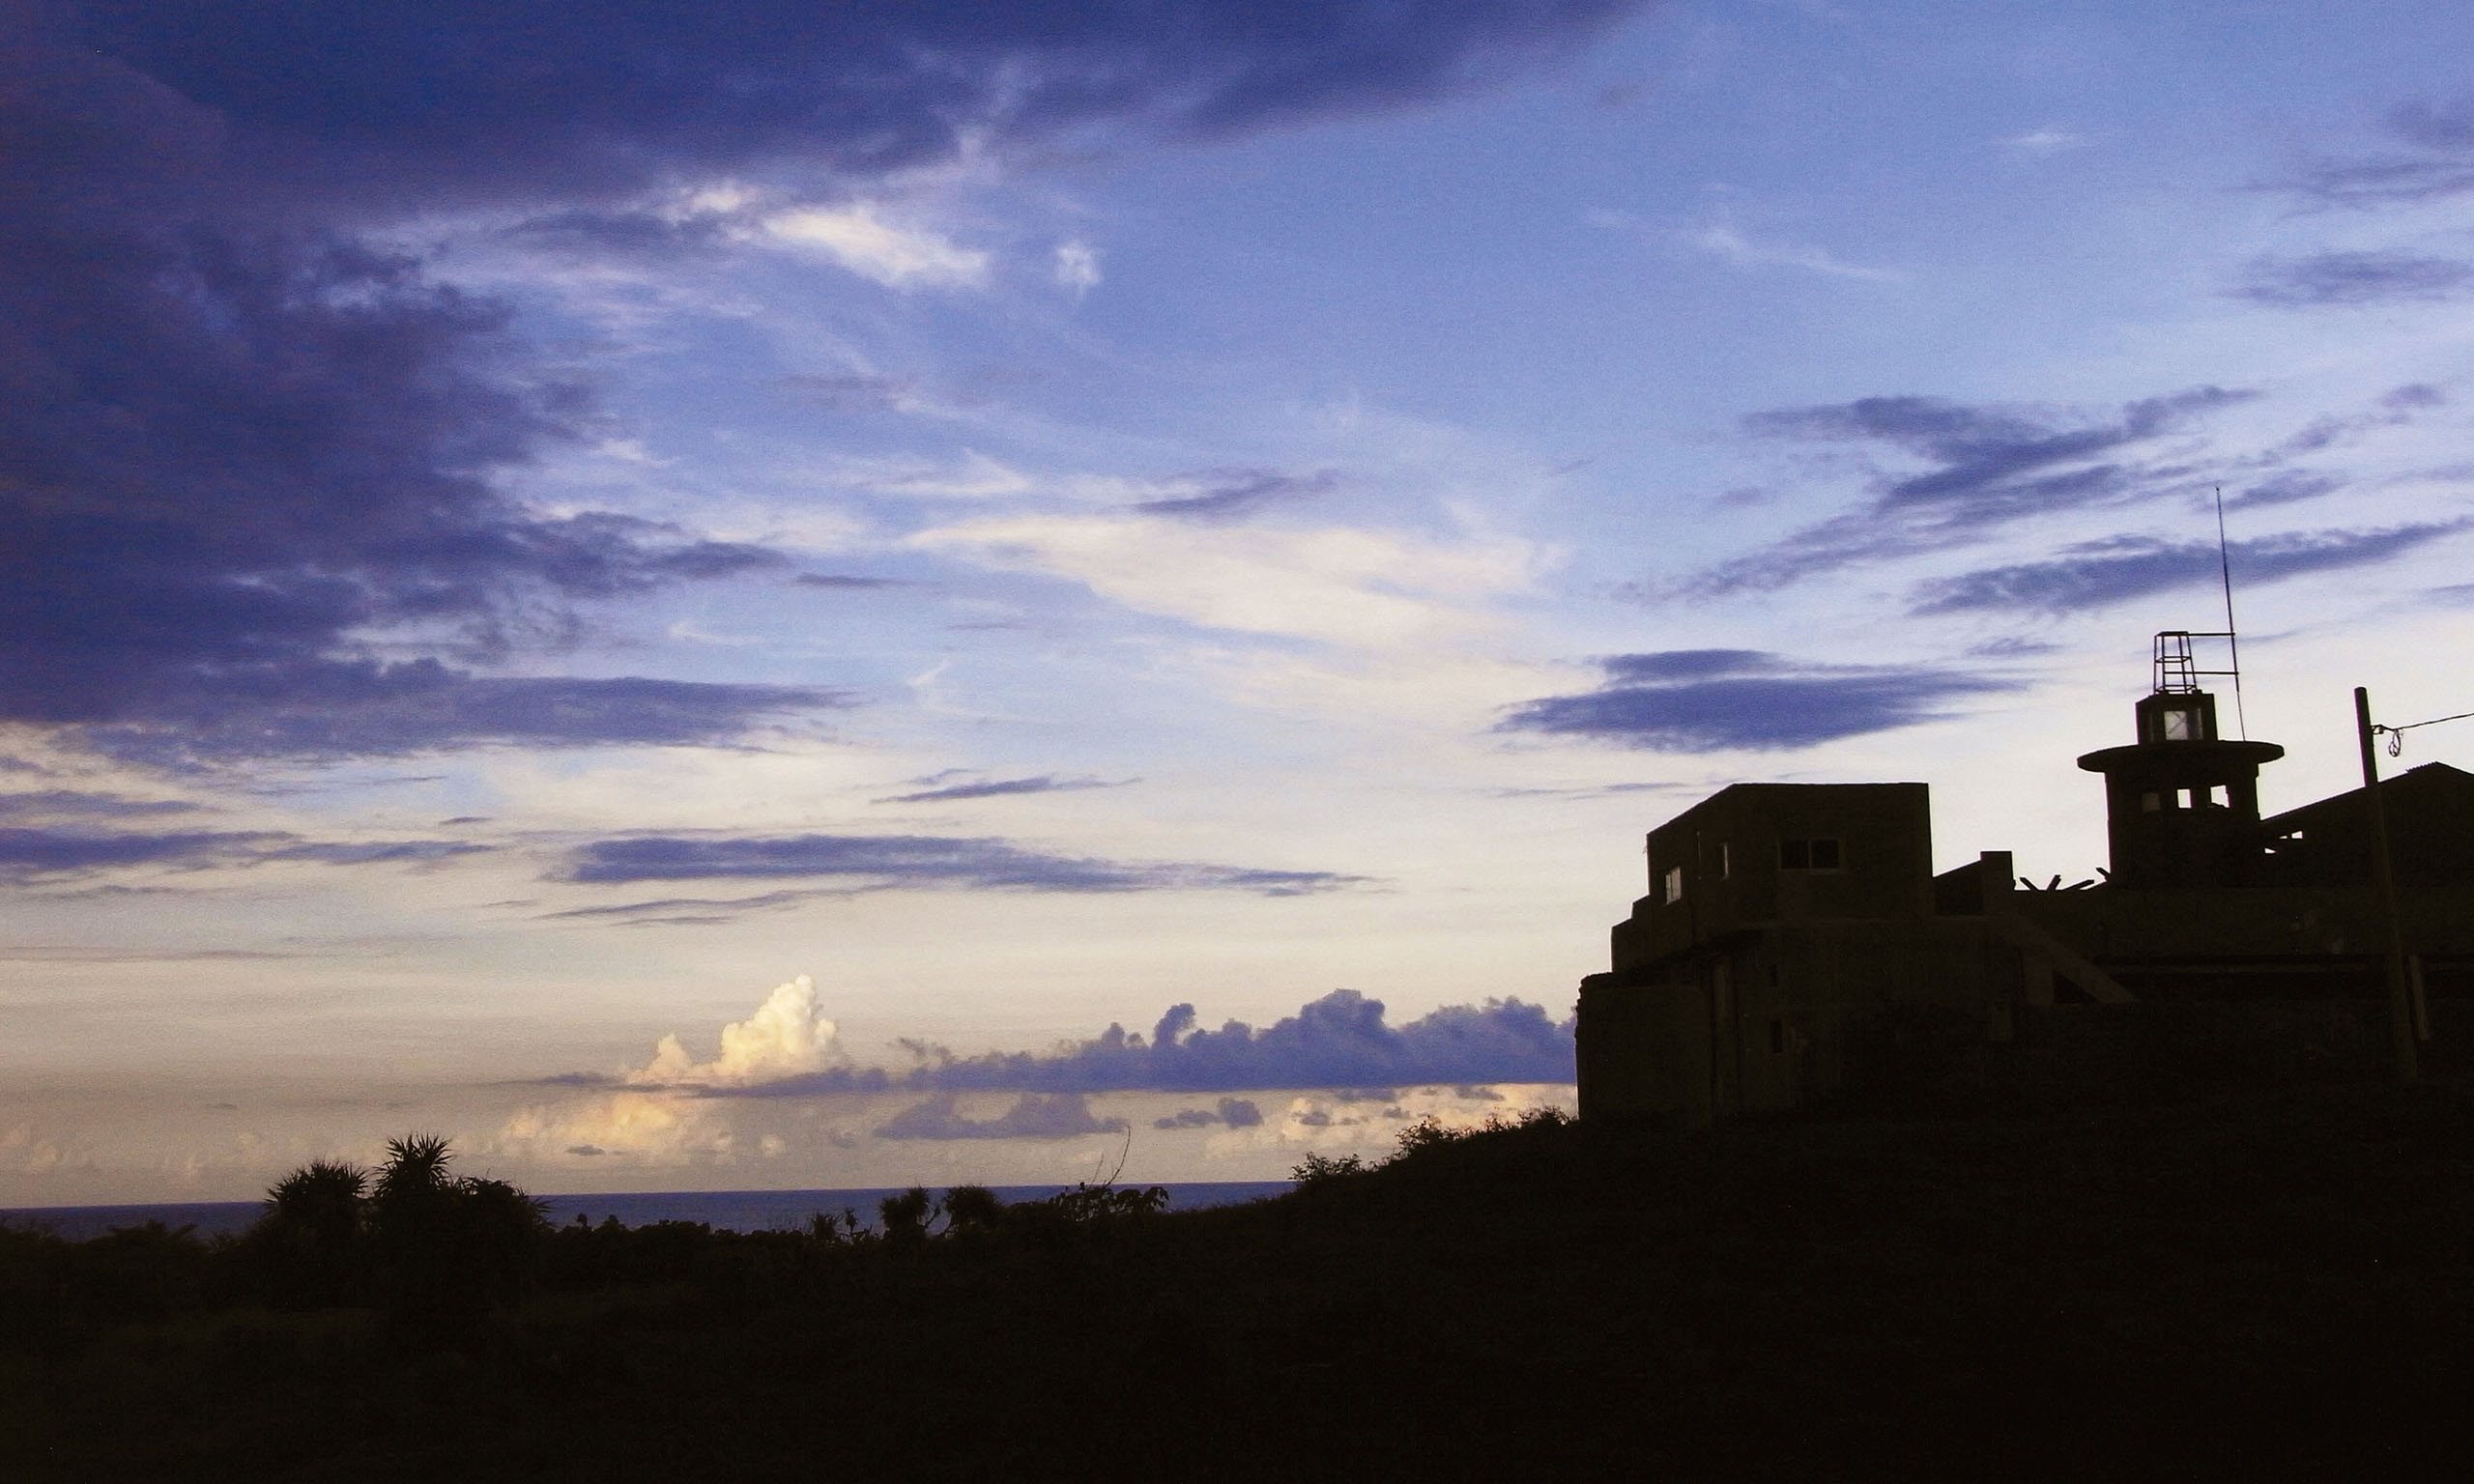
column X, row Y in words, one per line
column 1707, row 701
column 915, row 861
column 2097, row 573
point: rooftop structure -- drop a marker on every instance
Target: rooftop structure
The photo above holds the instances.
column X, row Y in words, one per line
column 1789, row 927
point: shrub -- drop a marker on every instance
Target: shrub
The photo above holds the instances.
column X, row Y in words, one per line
column 1318, row 1169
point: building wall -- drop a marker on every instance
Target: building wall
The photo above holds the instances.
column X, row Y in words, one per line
column 1743, row 983
column 1776, row 1015
column 1724, row 863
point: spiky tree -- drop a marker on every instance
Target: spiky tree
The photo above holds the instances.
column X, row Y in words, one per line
column 312, row 1236
column 446, row 1242
column 321, row 1201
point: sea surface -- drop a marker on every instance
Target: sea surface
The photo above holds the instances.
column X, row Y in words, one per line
column 737, row 1210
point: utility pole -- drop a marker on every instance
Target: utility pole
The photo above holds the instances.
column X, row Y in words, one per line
column 2401, row 1003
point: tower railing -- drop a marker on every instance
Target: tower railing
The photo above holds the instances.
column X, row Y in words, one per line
column 2176, row 660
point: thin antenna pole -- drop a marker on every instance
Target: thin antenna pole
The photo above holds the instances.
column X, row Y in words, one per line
column 2233, row 640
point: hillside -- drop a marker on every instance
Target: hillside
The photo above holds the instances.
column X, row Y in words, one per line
column 2087, row 1282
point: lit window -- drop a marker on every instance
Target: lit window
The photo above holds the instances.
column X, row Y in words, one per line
column 1674, row 884
column 1722, row 860
column 2182, row 724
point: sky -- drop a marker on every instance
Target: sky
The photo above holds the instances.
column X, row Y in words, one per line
column 770, row 595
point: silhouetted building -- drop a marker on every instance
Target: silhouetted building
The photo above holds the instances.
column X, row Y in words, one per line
column 1793, row 932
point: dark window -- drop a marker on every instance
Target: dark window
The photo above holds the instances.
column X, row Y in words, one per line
column 1778, row 1037
column 1808, row 854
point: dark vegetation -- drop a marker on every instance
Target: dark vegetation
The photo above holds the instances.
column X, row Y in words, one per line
column 2052, row 1281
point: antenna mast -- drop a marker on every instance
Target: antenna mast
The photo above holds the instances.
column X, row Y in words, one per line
column 2233, row 643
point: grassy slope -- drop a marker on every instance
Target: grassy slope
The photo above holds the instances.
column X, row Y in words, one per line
column 2236, row 1281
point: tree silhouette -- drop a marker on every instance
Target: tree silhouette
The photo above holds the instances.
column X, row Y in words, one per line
column 313, row 1232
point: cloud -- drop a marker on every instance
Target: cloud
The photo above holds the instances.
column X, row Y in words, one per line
column 840, row 582
column 1349, row 586
column 1033, row 1116
column 44, row 853
column 78, row 804
column 895, row 255
column 914, row 861
column 1707, row 701
column 1232, row 1112
column 1725, row 241
column 1227, row 494
column 2430, row 159
column 592, row 233
column 856, row 392
column 1342, row 1039
column 330, row 709
column 1985, row 467
column 693, row 911
column 2045, row 141
column 787, row 1036
column 2352, row 279
column 244, row 441
column 999, row 787
column 474, row 101
column 2093, row 574
column 1077, row 268
column 2284, row 489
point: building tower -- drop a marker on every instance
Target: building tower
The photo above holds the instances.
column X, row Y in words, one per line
column 2181, row 804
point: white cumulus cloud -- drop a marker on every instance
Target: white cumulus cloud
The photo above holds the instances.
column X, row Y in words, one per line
column 785, row 1038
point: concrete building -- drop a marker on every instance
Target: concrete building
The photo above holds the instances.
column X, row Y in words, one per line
column 1795, row 934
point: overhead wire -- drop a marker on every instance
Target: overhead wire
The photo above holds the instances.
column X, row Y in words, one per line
column 2397, row 734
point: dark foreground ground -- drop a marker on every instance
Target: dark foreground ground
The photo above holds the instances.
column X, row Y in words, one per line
column 2271, row 1282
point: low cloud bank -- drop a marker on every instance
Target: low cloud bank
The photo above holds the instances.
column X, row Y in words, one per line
column 1033, row 1116
column 787, row 1049
column 1234, row 1112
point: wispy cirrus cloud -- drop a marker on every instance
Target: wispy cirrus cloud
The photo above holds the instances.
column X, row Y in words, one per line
column 84, row 804
column 1724, row 240
column 2093, row 574
column 1984, row 468
column 1706, row 700
column 1341, row 585
column 939, row 791
column 896, row 254
column 326, row 710
column 2284, row 488
column 1727, row 243
column 2346, row 280
column 2429, row 157
column 915, row 861
column 1231, row 494
column 42, row 854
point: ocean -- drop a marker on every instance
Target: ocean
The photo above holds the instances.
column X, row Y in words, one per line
column 737, row 1210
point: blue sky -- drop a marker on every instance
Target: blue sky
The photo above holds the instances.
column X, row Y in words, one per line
column 708, row 599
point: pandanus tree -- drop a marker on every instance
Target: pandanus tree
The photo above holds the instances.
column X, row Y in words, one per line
column 313, row 1235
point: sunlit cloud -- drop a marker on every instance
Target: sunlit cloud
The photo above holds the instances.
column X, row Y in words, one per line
column 1727, row 243
column 897, row 256
column 787, row 1036
column 1340, row 584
